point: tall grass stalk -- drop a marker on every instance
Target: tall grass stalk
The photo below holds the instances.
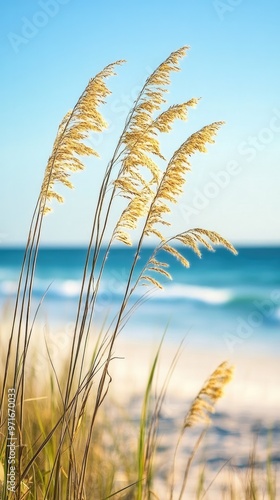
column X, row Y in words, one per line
column 149, row 192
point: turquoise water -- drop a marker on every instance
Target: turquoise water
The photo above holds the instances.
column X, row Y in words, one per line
column 233, row 301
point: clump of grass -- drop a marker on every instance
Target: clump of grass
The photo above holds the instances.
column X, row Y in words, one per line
column 53, row 462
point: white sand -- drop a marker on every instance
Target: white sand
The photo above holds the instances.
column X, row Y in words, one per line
column 254, row 389
column 251, row 405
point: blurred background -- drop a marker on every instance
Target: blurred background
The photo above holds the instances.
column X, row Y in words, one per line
column 224, row 306
column 50, row 49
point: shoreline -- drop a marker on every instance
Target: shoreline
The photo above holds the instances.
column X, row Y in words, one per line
column 246, row 417
column 254, row 388
column 248, row 413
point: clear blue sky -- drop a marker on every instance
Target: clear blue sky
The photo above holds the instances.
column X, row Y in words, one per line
column 50, row 49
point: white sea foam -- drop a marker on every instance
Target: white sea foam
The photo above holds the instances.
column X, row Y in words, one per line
column 67, row 288
column 8, row 287
column 202, row 294
column 71, row 288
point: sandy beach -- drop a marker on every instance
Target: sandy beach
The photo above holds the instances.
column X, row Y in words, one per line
column 246, row 417
column 254, row 389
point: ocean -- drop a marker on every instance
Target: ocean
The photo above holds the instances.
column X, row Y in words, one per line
column 222, row 300
column 224, row 307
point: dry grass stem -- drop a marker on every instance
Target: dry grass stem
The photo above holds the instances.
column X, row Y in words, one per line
column 60, row 437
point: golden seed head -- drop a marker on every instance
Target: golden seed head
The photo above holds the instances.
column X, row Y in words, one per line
column 211, row 391
column 73, row 130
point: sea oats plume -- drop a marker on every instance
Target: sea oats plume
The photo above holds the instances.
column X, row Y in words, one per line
column 212, row 390
column 74, row 129
column 151, row 281
column 140, row 140
column 174, row 178
column 193, row 237
column 190, row 239
column 137, row 208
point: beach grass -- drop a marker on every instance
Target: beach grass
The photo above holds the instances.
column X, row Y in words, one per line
column 127, row 458
column 63, row 447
